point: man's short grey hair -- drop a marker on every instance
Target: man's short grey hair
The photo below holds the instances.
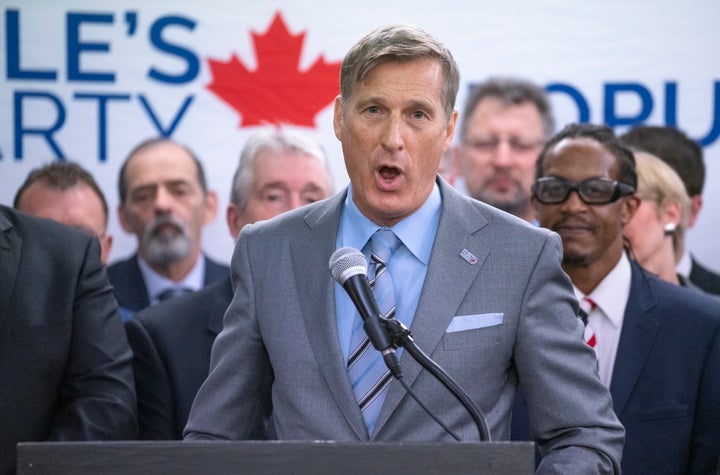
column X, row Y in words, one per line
column 511, row 92
column 283, row 140
column 400, row 43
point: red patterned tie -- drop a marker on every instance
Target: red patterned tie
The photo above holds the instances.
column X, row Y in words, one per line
column 587, row 305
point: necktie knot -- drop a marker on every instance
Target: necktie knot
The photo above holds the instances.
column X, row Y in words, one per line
column 171, row 292
column 383, row 244
column 587, row 305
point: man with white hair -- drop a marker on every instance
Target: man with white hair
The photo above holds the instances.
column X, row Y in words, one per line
column 278, row 171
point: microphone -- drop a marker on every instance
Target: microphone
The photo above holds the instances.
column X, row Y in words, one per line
column 349, row 269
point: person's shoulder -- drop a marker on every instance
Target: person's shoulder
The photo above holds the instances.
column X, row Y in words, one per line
column 507, row 223
column 7, row 217
column 171, row 311
column 178, row 311
column 27, row 222
column 214, row 270
column 294, row 221
column 122, row 266
column 46, row 233
column 704, row 278
column 686, row 304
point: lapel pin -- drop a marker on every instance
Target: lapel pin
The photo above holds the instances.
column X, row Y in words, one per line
column 467, row 255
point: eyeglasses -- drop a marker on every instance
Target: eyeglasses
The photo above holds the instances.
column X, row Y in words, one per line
column 552, row 190
column 490, row 144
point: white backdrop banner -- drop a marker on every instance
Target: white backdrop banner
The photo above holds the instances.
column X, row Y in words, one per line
column 87, row 80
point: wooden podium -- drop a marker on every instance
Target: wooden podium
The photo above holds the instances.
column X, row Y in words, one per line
column 275, row 457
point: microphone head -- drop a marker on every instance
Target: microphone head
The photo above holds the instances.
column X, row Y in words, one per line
column 347, row 262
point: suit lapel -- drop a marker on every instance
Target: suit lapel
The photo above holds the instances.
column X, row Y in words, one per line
column 638, row 334
column 10, row 250
column 129, row 286
column 447, row 281
column 319, row 313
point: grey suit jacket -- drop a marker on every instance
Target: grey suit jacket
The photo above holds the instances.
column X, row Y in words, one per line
column 280, row 340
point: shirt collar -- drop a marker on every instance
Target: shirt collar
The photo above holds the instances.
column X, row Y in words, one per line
column 685, row 265
column 156, row 283
column 411, row 230
column 612, row 293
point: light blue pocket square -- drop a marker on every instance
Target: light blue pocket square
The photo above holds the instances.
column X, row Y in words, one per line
column 471, row 322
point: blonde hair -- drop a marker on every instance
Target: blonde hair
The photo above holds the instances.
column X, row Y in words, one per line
column 658, row 182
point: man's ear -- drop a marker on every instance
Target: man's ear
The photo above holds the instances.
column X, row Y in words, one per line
column 450, row 129
column 337, row 118
column 211, row 204
column 629, row 208
column 124, row 218
column 234, row 220
column 696, row 203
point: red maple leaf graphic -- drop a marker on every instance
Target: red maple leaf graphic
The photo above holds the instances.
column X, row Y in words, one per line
column 277, row 92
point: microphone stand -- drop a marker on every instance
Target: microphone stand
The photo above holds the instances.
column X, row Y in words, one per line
column 402, row 336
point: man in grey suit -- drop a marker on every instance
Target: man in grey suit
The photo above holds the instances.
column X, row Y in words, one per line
column 482, row 291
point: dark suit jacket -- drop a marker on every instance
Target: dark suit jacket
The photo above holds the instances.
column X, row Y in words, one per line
column 65, row 364
column 666, row 381
column 172, row 342
column 704, row 278
column 129, row 285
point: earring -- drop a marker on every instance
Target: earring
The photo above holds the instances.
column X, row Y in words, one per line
column 669, row 229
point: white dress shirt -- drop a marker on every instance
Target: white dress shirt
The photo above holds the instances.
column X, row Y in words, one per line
column 605, row 321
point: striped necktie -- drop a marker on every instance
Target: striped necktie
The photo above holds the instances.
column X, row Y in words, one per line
column 587, row 305
column 367, row 371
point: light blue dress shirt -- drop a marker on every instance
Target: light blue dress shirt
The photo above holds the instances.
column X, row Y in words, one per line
column 408, row 265
column 156, row 283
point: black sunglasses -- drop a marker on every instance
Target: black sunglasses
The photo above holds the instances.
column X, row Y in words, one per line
column 553, row 190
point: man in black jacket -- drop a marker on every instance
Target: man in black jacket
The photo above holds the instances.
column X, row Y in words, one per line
column 65, row 363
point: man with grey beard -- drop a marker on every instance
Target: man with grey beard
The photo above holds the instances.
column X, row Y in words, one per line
column 165, row 202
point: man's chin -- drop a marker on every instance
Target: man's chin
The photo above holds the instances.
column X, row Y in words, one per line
column 162, row 252
column 572, row 259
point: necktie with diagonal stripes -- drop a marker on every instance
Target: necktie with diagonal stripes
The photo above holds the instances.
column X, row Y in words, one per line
column 587, row 305
column 367, row 371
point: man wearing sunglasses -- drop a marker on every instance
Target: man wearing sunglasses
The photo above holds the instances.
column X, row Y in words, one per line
column 658, row 345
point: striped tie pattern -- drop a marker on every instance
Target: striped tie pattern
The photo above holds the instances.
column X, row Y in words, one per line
column 367, row 371
column 587, row 305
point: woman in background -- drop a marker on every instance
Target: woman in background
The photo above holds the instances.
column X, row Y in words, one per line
column 657, row 230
